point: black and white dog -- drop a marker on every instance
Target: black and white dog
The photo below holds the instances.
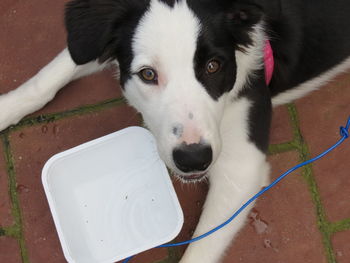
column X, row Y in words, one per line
column 194, row 69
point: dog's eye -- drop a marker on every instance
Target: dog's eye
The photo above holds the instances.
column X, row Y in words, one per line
column 213, row 66
column 148, row 75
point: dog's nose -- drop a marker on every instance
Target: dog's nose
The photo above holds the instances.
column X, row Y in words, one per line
column 193, row 157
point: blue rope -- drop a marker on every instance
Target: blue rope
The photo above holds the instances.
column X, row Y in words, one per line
column 344, row 133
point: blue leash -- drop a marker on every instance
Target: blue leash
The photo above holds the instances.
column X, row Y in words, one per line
column 344, row 133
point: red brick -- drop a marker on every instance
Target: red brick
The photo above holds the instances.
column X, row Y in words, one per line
column 191, row 197
column 32, row 147
column 5, row 204
column 5, row 5
column 88, row 90
column 287, row 214
column 341, row 246
column 32, row 35
column 281, row 128
column 321, row 114
column 9, row 250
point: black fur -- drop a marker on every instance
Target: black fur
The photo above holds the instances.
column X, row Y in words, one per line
column 215, row 43
column 225, row 29
column 257, row 92
column 218, row 83
column 103, row 30
column 307, row 38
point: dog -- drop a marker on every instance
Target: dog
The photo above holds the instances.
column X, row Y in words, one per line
column 195, row 71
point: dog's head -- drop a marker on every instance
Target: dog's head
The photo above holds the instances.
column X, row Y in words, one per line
column 180, row 62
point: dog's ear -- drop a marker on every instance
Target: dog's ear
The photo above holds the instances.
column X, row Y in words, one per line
column 241, row 19
column 93, row 26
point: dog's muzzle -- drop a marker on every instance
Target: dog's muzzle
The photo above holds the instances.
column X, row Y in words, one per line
column 193, row 158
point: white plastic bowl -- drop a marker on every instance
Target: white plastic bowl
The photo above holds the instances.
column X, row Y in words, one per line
column 111, row 198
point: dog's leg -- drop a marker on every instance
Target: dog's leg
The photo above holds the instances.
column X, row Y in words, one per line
column 40, row 89
column 237, row 175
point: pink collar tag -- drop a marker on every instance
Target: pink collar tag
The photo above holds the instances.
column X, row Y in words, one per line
column 269, row 62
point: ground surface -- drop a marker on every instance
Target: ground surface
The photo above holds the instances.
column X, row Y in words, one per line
column 304, row 219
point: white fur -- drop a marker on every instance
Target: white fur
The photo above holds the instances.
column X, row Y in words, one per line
column 240, row 169
column 240, row 172
column 311, row 85
column 39, row 90
column 250, row 60
column 179, row 93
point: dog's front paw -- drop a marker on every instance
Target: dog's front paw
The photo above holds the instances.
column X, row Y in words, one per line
column 14, row 106
column 22, row 101
column 8, row 114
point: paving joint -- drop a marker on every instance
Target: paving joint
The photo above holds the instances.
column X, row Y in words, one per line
column 51, row 117
column 340, row 226
column 17, row 229
column 304, row 155
column 282, row 148
column 173, row 256
column 12, row 231
column 165, row 260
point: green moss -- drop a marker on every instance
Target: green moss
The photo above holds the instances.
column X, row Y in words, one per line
column 281, row 148
column 17, row 229
column 294, row 122
column 174, row 254
column 304, row 155
column 340, row 226
column 166, row 260
column 326, row 228
column 47, row 118
column 12, row 231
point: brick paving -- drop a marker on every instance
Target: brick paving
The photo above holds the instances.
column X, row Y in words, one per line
column 31, row 150
column 89, row 90
column 5, row 203
column 306, row 218
column 274, row 232
column 341, row 244
column 329, row 115
column 282, row 129
column 9, row 250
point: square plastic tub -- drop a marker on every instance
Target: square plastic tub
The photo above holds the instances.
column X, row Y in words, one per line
column 111, row 198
